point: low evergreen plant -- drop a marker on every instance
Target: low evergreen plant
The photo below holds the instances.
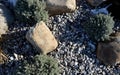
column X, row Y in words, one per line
column 31, row 11
column 39, row 65
column 99, row 27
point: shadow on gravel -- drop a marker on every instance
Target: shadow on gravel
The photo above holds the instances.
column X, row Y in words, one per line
column 9, row 67
column 14, row 41
column 16, row 47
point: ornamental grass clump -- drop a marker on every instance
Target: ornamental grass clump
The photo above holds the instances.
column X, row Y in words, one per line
column 99, row 27
column 31, row 11
column 39, row 65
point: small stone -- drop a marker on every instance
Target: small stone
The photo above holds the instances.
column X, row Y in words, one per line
column 16, row 56
column 92, row 46
column 11, row 58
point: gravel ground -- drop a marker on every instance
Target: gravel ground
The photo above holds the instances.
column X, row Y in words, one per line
column 76, row 53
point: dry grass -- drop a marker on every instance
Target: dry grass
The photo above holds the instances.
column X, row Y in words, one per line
column 3, row 57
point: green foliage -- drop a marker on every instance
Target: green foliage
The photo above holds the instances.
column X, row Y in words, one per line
column 39, row 65
column 31, row 11
column 99, row 27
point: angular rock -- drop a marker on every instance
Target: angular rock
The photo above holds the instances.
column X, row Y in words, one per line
column 56, row 7
column 95, row 2
column 6, row 18
column 109, row 52
column 41, row 38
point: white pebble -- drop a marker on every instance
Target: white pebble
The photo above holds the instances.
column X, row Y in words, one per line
column 11, row 58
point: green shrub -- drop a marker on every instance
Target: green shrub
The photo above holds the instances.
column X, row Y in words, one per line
column 31, row 11
column 39, row 65
column 99, row 27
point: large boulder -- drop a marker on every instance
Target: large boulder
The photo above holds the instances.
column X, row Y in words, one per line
column 41, row 38
column 109, row 52
column 56, row 7
column 6, row 18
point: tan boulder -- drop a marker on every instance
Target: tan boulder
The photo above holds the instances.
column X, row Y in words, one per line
column 41, row 38
column 6, row 17
column 56, row 7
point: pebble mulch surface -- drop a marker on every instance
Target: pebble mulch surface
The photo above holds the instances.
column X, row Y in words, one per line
column 76, row 53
